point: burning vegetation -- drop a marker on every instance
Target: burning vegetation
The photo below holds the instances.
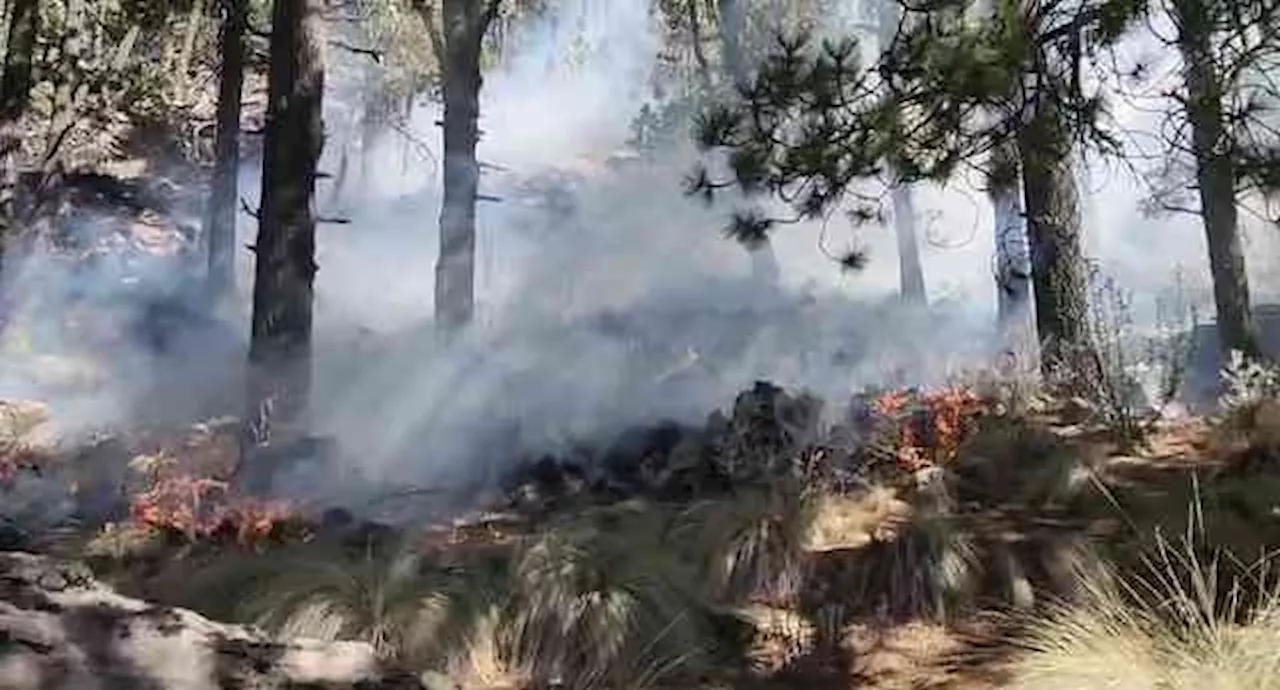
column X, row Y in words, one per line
column 927, row 428
column 764, row 541
column 999, row 530
column 199, row 507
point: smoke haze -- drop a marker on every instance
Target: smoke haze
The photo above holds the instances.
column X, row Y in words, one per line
column 625, row 305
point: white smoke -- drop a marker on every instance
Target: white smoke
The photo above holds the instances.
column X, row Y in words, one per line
column 628, row 306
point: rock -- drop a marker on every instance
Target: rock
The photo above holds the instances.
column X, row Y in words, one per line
column 61, row 629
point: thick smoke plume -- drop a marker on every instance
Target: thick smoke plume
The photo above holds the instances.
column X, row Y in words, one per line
column 605, row 297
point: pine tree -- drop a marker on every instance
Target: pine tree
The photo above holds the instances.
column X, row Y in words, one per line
column 220, row 216
column 285, row 250
column 463, row 26
column 944, row 94
column 1224, row 47
column 15, row 96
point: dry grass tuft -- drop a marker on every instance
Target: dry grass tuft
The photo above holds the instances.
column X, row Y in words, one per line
column 1178, row 626
column 600, row 600
column 922, row 564
column 382, row 598
column 481, row 663
column 1018, row 460
column 848, row 521
column 929, row 569
column 751, row 547
column 603, row 602
column 779, row 638
column 121, row 541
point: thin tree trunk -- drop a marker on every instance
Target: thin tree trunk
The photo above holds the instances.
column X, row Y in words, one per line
column 190, row 37
column 1054, row 237
column 220, row 216
column 1215, row 175
column 5, row 11
column 1013, row 261
column 74, row 41
column 15, row 83
column 910, row 270
column 464, row 23
column 764, row 264
column 1013, row 268
column 733, row 27
column 15, row 96
column 695, row 36
column 337, row 194
column 280, row 349
column 371, row 122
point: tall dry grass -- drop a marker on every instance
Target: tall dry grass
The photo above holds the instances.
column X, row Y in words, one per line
column 1191, row 618
column 592, row 601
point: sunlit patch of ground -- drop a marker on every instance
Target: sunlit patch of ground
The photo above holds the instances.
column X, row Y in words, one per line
column 921, row 655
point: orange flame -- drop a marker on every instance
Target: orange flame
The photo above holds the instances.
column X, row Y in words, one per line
column 928, row 428
column 200, row 507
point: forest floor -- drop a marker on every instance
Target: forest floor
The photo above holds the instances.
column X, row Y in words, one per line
column 1150, row 488
column 941, row 574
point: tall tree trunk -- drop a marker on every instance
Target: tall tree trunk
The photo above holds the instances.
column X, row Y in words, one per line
column 190, row 36
column 280, row 349
column 15, row 95
column 1054, row 231
column 1013, row 261
column 910, row 270
column 464, row 23
column 406, row 148
column 75, row 41
column 733, row 29
column 371, row 123
column 695, row 37
column 20, row 44
column 338, row 193
column 1013, row 268
column 764, row 263
column 1215, row 175
column 220, row 216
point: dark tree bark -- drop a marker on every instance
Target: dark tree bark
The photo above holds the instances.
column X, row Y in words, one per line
column 1058, row 268
column 1215, row 176
column 220, row 216
column 280, row 349
column 15, row 96
column 464, row 25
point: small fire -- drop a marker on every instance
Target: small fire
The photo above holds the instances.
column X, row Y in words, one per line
column 199, row 507
column 928, row 428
